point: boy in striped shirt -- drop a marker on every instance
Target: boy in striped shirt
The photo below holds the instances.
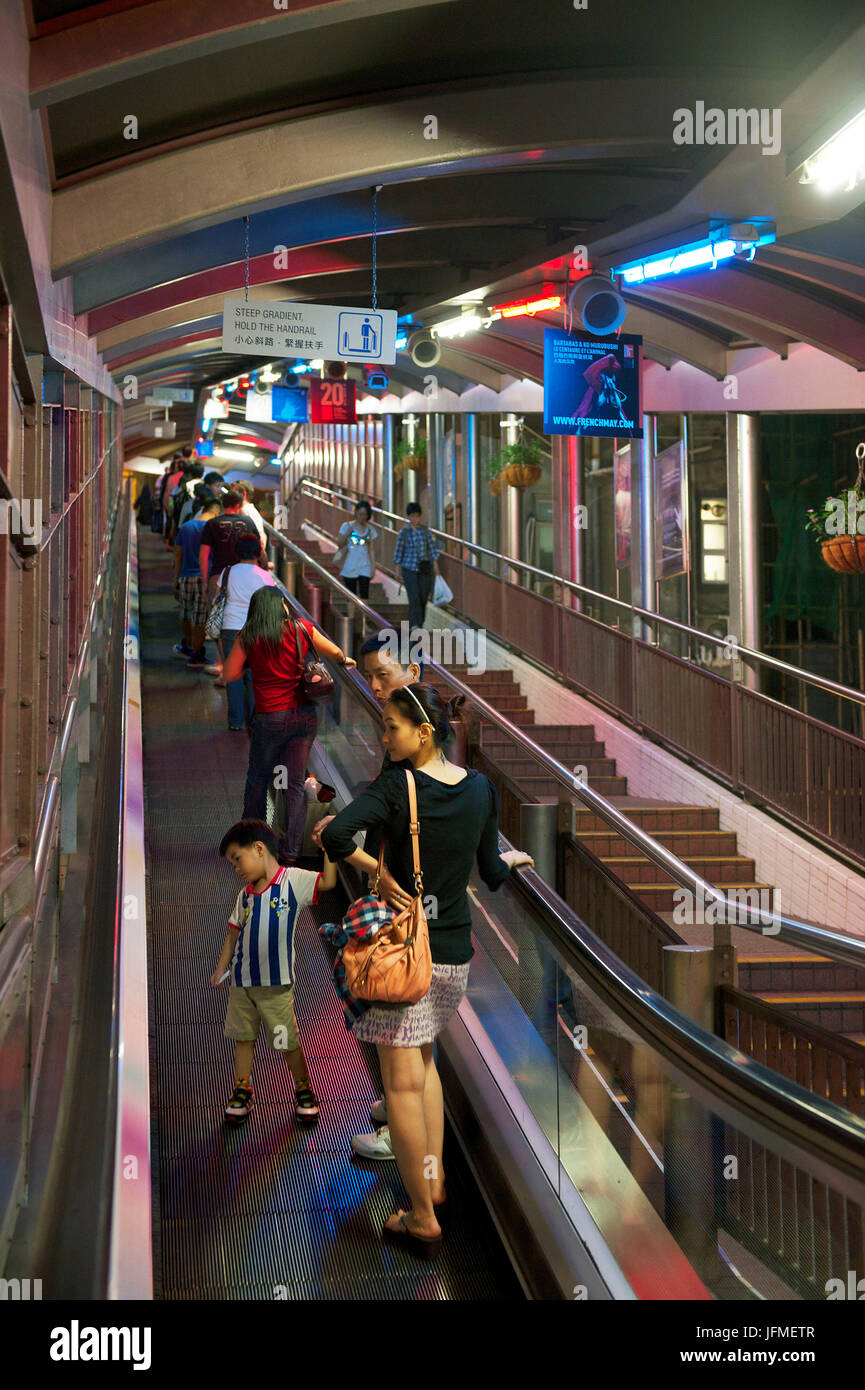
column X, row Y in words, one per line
column 259, row 956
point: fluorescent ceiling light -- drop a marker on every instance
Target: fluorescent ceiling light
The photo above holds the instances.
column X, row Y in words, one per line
column 521, row 307
column 840, row 163
column 458, row 327
column 238, row 455
column 720, row 246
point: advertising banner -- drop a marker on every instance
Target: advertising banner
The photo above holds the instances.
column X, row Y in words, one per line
column 592, row 385
column 622, row 489
column 671, row 518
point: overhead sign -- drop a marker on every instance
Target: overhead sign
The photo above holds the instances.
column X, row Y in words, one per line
column 282, row 329
column 282, row 403
column 167, row 394
column 332, row 402
column 592, row 385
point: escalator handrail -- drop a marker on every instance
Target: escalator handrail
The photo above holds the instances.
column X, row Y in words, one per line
column 835, row 945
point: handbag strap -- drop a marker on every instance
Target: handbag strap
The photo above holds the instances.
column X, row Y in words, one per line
column 414, row 827
column 301, row 659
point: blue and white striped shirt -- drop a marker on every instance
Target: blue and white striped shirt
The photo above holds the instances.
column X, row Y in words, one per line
column 264, row 954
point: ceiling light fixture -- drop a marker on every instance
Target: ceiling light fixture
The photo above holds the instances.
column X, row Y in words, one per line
column 237, row 455
column 522, row 307
column 839, row 164
column 722, row 244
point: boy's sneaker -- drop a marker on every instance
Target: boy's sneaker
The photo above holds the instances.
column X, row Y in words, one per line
column 181, row 649
column 378, row 1112
column 376, row 1145
column 305, row 1105
column 241, row 1103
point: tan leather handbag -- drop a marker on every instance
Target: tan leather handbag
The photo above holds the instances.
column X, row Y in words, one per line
column 396, row 967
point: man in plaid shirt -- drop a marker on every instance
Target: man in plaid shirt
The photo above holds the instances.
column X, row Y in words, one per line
column 416, row 552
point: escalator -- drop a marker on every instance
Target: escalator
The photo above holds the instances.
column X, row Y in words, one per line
column 272, row 1208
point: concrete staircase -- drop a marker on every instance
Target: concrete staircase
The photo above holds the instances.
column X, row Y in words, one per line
column 815, row 989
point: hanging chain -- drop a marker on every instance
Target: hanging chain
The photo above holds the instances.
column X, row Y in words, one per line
column 375, row 246
column 246, row 256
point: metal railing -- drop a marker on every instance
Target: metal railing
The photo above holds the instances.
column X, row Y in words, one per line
column 811, row 772
column 818, row 939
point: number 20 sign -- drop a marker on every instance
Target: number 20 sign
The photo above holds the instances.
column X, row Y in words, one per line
column 332, row 402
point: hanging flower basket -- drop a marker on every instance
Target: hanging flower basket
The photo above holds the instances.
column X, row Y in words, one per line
column 521, row 475
column 412, row 456
column 495, row 485
column 846, row 554
column 837, row 525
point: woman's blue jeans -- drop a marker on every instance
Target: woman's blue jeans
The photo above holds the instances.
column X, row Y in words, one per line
column 241, row 701
column 281, row 739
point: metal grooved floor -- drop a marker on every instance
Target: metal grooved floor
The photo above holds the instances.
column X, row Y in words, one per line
column 271, row 1209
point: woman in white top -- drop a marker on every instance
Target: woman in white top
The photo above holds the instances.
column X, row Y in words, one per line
column 356, row 551
column 244, row 578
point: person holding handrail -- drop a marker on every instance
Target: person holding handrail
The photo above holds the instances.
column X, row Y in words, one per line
column 285, row 723
column 458, row 819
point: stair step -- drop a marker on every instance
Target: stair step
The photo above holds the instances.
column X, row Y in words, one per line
column 797, row 974
column 545, row 734
column 659, row 896
column 542, row 788
column 511, row 755
column 718, row 871
column 681, row 843
column 654, row 818
column 839, row 1011
column 518, row 768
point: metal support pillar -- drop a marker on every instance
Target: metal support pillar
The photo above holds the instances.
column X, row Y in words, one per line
column 387, row 462
column 471, row 482
column 410, row 477
column 345, row 633
column 647, row 525
column 435, row 452
column 743, row 536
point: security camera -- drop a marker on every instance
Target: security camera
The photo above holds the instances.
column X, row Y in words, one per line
column 597, row 302
column 424, row 350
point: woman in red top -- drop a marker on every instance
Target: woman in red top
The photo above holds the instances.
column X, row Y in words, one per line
column 285, row 723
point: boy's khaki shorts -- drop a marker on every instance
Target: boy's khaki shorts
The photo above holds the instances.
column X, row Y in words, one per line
column 272, row 1005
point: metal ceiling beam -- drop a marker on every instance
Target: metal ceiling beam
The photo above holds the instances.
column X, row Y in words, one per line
column 493, row 126
column 118, row 47
column 731, row 320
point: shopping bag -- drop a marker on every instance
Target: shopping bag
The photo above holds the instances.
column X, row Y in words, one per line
column 442, row 593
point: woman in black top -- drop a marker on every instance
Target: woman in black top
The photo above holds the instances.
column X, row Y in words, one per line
column 458, row 814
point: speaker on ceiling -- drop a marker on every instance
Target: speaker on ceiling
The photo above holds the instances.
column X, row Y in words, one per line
column 424, row 349
column 598, row 304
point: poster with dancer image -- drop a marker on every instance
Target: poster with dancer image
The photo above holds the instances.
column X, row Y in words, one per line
column 671, row 512
column 592, row 385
